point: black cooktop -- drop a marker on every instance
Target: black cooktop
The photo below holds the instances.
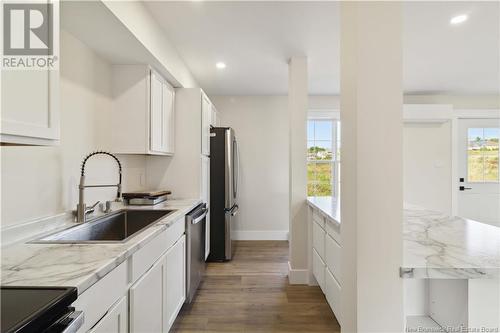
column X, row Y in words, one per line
column 32, row 309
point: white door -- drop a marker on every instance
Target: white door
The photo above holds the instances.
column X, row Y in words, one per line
column 478, row 183
column 115, row 320
column 206, row 119
column 147, row 300
column 175, row 281
column 156, row 126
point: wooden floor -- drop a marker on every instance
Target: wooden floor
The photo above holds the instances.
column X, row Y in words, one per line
column 251, row 293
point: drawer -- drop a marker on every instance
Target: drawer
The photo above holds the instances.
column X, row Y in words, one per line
column 96, row 301
column 319, row 240
column 318, row 270
column 318, row 218
column 333, row 256
column 143, row 259
column 333, row 230
column 332, row 294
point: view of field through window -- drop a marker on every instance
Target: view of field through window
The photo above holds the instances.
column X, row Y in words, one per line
column 321, row 157
column 482, row 155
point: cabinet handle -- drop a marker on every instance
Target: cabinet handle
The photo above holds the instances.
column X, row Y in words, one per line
column 463, row 188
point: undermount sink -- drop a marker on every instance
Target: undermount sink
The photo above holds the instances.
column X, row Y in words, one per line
column 116, row 227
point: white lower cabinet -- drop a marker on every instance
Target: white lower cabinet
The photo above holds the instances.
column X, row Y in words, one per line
column 332, row 255
column 326, row 259
column 319, row 240
column 318, row 269
column 332, row 293
column 145, row 293
column 175, row 291
column 115, row 320
column 147, row 299
column 157, row 297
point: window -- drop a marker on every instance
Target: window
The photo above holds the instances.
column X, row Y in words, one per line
column 323, row 157
column 482, row 155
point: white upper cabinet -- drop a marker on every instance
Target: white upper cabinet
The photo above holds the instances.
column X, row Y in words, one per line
column 156, row 121
column 215, row 121
column 143, row 112
column 30, row 104
column 206, row 120
column 169, row 118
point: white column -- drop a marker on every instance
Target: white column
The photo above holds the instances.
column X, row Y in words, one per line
column 371, row 194
column 297, row 109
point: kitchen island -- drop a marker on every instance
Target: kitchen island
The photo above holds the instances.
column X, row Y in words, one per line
column 451, row 266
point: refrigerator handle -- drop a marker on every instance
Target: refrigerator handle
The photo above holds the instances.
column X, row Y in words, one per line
column 236, row 170
column 235, row 209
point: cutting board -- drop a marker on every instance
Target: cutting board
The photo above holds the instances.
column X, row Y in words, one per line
column 147, row 193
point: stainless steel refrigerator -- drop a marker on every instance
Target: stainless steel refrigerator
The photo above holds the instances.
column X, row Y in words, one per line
column 224, row 174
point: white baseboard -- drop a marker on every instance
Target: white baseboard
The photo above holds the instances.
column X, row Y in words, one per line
column 298, row 276
column 259, row 235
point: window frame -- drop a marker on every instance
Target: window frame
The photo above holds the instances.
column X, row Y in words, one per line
column 467, row 169
column 333, row 117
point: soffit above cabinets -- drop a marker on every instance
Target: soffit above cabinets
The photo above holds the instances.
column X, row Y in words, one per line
column 96, row 26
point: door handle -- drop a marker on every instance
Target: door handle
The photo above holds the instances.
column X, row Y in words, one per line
column 201, row 217
column 463, row 188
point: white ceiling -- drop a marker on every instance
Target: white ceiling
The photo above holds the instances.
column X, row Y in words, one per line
column 255, row 40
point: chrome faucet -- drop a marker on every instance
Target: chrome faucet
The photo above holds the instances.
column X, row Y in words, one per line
column 81, row 208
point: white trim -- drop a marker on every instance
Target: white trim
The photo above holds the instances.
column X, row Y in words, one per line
column 323, row 114
column 454, row 166
column 297, row 276
column 477, row 113
column 259, row 235
column 427, row 113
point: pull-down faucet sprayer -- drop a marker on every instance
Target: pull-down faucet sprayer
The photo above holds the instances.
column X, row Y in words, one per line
column 81, row 208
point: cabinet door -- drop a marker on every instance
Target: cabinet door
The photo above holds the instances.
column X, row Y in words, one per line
column 206, row 118
column 333, row 256
column 115, row 321
column 169, row 118
column 333, row 294
column 318, row 269
column 175, row 281
column 319, row 240
column 147, row 300
column 156, row 121
column 213, row 120
column 205, row 196
column 30, row 108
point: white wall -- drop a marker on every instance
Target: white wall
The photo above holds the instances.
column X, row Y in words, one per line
column 427, row 165
column 261, row 124
column 261, row 128
column 42, row 181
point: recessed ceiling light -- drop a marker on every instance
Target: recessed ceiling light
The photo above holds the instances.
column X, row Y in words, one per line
column 459, row 19
column 220, row 65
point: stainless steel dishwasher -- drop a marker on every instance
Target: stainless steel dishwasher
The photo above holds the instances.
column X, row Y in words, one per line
column 195, row 248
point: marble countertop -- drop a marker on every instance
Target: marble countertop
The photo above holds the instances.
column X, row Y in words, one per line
column 79, row 265
column 328, row 206
column 438, row 246
column 445, row 247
